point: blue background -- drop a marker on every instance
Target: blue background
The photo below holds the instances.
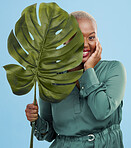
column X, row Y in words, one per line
column 113, row 19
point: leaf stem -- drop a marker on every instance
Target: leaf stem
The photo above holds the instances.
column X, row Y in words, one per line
column 33, row 123
column 35, row 94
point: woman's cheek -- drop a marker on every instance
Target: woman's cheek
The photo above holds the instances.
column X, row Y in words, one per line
column 93, row 46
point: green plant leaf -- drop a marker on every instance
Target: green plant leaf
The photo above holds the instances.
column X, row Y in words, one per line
column 37, row 48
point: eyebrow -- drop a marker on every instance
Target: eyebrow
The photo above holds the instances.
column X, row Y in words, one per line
column 91, row 33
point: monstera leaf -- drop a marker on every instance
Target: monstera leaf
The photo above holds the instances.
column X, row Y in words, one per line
column 37, row 47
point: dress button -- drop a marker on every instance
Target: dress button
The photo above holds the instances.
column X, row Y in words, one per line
column 82, row 87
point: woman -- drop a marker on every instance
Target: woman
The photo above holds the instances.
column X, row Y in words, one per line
column 90, row 116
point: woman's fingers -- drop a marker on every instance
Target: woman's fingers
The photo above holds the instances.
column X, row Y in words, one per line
column 31, row 112
column 31, row 115
column 98, row 49
column 95, row 54
column 35, row 111
column 32, row 106
column 95, row 57
column 32, row 109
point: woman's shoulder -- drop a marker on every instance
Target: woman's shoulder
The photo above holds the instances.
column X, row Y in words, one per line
column 109, row 63
column 111, row 66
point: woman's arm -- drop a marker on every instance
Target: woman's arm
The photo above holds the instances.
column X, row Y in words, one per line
column 104, row 97
column 43, row 122
column 44, row 125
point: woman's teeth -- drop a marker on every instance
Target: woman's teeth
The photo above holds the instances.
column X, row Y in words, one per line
column 86, row 53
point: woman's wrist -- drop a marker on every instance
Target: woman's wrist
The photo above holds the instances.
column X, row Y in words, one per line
column 87, row 67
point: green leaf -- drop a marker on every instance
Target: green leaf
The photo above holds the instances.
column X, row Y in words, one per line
column 20, row 80
column 36, row 47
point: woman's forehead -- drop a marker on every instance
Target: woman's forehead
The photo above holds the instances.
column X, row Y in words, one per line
column 87, row 26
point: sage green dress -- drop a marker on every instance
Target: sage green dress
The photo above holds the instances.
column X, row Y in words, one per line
column 89, row 117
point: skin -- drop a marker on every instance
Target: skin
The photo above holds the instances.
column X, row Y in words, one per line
column 91, row 56
column 91, row 44
column 31, row 112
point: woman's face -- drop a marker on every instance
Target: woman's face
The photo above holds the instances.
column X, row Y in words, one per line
column 89, row 31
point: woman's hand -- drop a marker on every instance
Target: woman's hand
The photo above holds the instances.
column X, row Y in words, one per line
column 31, row 112
column 94, row 58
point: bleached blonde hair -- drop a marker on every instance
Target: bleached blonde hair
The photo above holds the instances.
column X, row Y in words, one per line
column 83, row 14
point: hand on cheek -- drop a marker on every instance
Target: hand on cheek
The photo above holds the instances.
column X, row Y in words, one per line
column 95, row 57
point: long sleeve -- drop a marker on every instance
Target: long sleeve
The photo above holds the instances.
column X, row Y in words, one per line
column 103, row 97
column 43, row 126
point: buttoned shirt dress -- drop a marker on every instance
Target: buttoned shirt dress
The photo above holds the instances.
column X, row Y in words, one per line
column 88, row 117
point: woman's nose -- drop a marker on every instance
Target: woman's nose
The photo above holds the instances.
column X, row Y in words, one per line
column 86, row 42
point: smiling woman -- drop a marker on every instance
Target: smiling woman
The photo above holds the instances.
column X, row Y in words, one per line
column 89, row 32
column 90, row 116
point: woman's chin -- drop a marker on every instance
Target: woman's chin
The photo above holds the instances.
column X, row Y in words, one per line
column 84, row 59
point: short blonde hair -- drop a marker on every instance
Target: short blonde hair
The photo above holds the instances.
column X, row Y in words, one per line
column 83, row 14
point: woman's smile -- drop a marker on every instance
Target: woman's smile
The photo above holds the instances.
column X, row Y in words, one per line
column 85, row 53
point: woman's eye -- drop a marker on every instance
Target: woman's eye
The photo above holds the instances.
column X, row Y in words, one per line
column 92, row 37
